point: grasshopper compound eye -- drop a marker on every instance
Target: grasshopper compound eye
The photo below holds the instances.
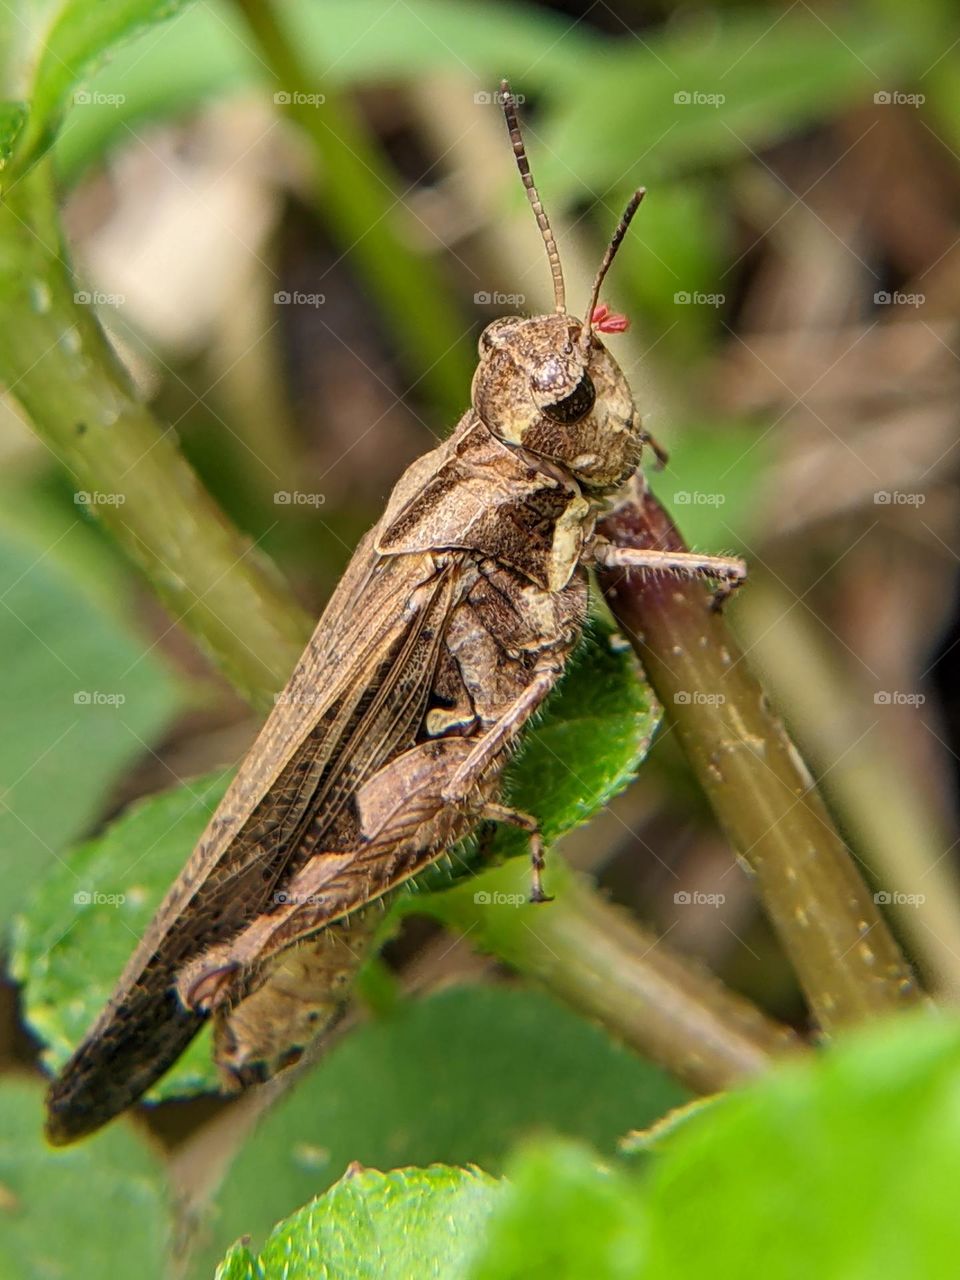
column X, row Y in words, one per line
column 574, row 406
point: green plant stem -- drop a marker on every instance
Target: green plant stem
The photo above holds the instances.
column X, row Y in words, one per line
column 597, row 958
column 355, row 195
column 55, row 359
column 845, row 956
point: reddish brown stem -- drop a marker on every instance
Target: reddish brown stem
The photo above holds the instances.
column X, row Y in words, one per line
column 845, row 956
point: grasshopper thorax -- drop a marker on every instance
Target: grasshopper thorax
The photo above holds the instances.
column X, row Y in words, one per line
column 539, row 386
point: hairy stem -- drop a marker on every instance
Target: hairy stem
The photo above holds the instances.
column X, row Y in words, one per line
column 845, row 956
column 55, row 359
column 598, row 959
column 891, row 821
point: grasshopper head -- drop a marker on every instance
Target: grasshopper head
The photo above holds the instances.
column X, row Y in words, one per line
column 543, row 384
column 548, row 383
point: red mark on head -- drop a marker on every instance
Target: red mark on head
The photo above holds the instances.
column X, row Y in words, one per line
column 606, row 321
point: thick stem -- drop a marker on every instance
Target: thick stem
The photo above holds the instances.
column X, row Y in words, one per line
column 869, row 788
column 594, row 956
column 125, row 465
column 845, row 956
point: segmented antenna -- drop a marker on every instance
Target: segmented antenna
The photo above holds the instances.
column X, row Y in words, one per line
column 533, row 195
column 632, row 207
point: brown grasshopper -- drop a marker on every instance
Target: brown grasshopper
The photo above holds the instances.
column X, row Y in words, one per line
column 453, row 621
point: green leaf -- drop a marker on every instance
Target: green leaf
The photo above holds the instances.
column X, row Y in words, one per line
column 86, row 916
column 587, row 745
column 13, row 116
column 239, row 1264
column 59, row 45
column 664, row 1127
column 82, row 698
column 376, row 1226
column 563, row 1215
column 775, row 73
column 593, row 734
column 459, row 1077
column 846, row 1165
column 39, row 506
column 95, row 1210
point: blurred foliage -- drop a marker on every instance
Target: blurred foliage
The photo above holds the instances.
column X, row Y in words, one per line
column 710, row 90
column 713, row 484
column 71, row 943
column 840, row 1167
column 88, row 1211
column 42, row 61
column 562, row 1213
column 813, row 1170
column 77, row 687
column 791, row 70
column 456, row 1077
column 744, row 80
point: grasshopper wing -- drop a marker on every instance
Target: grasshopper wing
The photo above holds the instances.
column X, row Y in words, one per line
column 355, row 698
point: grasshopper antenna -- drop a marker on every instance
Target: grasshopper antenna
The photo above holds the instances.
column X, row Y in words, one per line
column 533, row 195
column 632, row 206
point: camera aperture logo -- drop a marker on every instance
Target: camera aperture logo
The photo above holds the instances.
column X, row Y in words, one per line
column 97, row 298
column 884, row 298
column 496, row 98
column 697, row 298
column 896, row 698
column 896, row 98
column 88, row 498
column 300, row 698
column 897, row 498
column 686, row 498
column 93, row 98
column 283, row 898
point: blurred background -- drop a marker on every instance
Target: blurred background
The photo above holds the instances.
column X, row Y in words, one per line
column 296, row 273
